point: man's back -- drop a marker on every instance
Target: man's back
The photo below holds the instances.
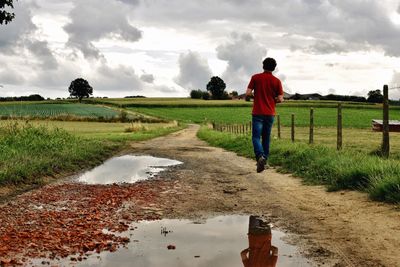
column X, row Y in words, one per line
column 266, row 88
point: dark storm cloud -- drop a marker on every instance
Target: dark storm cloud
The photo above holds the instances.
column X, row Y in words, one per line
column 194, row 71
column 244, row 56
column 92, row 20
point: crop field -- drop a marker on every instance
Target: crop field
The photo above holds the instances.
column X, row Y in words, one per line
column 188, row 102
column 51, row 110
column 326, row 117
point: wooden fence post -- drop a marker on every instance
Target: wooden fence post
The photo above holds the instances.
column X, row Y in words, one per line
column 279, row 126
column 339, row 127
column 385, row 131
column 292, row 127
column 311, row 139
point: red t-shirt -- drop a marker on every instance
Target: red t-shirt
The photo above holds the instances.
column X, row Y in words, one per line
column 266, row 88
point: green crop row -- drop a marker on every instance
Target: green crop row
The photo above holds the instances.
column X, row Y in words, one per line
column 326, row 117
column 51, row 110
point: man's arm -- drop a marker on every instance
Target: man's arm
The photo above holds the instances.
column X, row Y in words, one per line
column 249, row 92
column 279, row 99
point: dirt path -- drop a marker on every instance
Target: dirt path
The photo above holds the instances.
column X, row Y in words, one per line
column 62, row 220
column 338, row 229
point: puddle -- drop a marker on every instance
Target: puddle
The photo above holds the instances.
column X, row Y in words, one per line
column 126, row 169
column 215, row 242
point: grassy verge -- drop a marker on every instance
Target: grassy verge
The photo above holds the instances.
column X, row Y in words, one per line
column 322, row 165
column 30, row 152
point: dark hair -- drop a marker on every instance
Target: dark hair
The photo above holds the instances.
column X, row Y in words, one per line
column 269, row 64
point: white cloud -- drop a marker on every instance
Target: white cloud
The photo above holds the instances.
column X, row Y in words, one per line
column 93, row 20
column 194, row 71
column 244, row 56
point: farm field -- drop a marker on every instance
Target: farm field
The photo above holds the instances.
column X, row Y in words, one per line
column 326, row 117
column 52, row 109
column 100, row 130
column 188, row 102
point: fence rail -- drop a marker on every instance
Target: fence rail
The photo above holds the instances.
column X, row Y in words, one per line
column 246, row 129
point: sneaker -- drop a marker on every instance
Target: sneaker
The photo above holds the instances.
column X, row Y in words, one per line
column 261, row 162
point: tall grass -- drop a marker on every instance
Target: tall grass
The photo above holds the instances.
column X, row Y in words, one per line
column 322, row 165
column 28, row 153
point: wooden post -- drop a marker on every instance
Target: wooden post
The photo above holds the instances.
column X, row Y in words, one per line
column 292, row 127
column 311, row 139
column 385, row 131
column 339, row 127
column 251, row 127
column 279, row 125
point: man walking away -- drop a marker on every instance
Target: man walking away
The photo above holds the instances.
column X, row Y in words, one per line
column 267, row 91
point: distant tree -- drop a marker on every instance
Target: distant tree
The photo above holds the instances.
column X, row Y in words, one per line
column 217, row 87
column 375, row 96
column 205, row 96
column 5, row 16
column 234, row 93
column 196, row 94
column 80, row 88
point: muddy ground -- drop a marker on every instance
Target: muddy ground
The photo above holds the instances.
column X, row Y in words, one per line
column 334, row 229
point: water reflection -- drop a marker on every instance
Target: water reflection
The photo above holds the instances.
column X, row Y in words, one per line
column 126, row 169
column 215, row 242
column 260, row 252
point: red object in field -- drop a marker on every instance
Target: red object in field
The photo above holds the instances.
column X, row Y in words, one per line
column 394, row 126
column 171, row 247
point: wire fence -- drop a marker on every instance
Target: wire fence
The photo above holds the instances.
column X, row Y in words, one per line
column 246, row 129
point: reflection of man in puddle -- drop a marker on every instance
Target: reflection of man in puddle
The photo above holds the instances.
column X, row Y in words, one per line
column 260, row 252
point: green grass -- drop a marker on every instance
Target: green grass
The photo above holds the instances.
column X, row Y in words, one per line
column 325, row 117
column 115, row 131
column 23, row 109
column 188, row 102
column 322, row 165
column 29, row 152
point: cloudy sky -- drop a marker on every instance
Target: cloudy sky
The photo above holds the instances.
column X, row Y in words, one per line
column 169, row 47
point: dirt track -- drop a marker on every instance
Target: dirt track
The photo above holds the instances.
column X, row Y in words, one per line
column 337, row 229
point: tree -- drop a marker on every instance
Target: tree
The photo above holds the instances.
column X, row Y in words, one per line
column 205, row 95
column 375, row 96
column 196, row 94
column 217, row 87
column 80, row 88
column 5, row 16
column 234, row 93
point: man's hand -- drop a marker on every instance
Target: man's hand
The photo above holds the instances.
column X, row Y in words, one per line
column 279, row 99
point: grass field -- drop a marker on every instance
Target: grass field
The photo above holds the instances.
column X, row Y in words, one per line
column 317, row 164
column 30, row 151
column 356, row 118
column 188, row 102
column 52, row 109
column 104, row 131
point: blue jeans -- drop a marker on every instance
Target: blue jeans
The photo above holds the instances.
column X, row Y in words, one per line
column 262, row 125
